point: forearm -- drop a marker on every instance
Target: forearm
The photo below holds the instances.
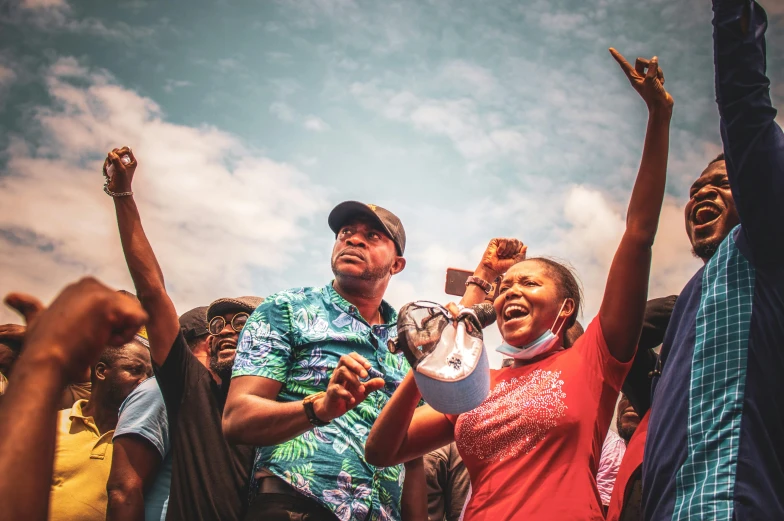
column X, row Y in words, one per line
column 147, row 278
column 647, row 197
column 142, row 264
column 623, row 305
column 474, row 294
column 753, row 141
column 125, row 504
column 28, row 418
column 414, row 503
column 387, row 442
column 252, row 420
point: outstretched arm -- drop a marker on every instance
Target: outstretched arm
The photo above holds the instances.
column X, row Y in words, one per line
column 753, row 142
column 623, row 305
column 164, row 324
column 404, row 431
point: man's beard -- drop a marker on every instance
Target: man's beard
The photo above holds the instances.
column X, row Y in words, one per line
column 222, row 368
column 626, row 432
column 705, row 250
column 368, row 274
column 114, row 397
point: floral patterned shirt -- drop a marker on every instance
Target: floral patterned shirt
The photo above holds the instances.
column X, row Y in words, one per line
column 297, row 337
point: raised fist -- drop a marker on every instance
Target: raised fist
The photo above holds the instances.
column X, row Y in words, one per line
column 500, row 255
column 119, row 167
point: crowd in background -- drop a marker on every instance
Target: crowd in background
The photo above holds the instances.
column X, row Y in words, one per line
column 296, row 406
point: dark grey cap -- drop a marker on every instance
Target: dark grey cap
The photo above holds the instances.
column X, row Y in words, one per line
column 385, row 219
column 194, row 323
column 227, row 305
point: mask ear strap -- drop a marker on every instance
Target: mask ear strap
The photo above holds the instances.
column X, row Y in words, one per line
column 559, row 317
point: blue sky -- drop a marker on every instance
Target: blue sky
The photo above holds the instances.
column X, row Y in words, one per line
column 251, row 120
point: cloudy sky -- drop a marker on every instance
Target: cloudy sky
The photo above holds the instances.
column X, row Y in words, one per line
column 250, row 120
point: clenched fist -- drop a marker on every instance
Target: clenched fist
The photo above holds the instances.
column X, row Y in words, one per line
column 120, row 175
column 81, row 322
column 500, row 255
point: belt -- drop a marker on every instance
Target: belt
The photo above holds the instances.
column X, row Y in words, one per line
column 275, row 485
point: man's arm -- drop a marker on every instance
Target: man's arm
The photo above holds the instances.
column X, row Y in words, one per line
column 753, row 142
column 80, row 323
column 414, row 501
column 135, row 463
column 252, row 415
column 163, row 325
column 623, row 305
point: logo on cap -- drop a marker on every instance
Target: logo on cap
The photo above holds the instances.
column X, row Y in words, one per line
column 372, row 207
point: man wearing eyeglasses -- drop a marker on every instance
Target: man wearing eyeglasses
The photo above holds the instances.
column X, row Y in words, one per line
column 209, row 475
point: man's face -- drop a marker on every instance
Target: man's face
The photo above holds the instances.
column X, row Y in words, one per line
column 223, row 347
column 628, row 419
column 364, row 252
column 710, row 213
column 124, row 374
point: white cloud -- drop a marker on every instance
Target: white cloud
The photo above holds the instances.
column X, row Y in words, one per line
column 470, row 78
column 44, row 4
column 172, row 85
column 282, row 111
column 215, row 211
column 7, row 76
column 315, row 124
column 58, row 16
column 480, row 136
column 286, row 113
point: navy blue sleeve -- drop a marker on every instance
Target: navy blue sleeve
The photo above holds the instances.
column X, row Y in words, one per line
column 753, row 142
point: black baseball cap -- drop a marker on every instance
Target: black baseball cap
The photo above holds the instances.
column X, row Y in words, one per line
column 194, row 323
column 386, row 220
column 227, row 305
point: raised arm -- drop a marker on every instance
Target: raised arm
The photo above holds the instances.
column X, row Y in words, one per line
column 499, row 256
column 623, row 305
column 404, row 431
column 163, row 325
column 753, row 142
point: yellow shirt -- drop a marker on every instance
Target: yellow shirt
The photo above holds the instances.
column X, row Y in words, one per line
column 82, row 461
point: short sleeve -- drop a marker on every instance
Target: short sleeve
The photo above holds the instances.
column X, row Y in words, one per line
column 180, row 370
column 264, row 348
column 143, row 414
column 596, row 355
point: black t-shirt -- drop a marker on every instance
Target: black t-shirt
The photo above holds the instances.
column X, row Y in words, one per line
column 209, row 475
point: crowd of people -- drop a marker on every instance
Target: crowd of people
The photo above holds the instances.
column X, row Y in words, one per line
column 297, row 406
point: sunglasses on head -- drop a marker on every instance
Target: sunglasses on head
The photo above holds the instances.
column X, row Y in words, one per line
column 218, row 323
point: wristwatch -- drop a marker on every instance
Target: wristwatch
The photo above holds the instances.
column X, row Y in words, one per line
column 483, row 284
column 307, row 404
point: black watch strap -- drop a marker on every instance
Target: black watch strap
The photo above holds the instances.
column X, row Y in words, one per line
column 314, row 420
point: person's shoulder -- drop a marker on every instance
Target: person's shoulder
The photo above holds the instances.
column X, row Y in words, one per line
column 144, row 395
column 293, row 297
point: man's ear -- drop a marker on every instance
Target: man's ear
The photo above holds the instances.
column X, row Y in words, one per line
column 100, row 370
column 398, row 266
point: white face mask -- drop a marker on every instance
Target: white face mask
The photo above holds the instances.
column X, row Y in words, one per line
column 548, row 341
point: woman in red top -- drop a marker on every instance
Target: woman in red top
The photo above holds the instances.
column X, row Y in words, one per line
column 532, row 447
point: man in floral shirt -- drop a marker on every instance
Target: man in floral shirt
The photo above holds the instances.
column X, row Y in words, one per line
column 307, row 365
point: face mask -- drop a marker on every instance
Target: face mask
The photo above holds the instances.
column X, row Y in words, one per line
column 548, row 341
